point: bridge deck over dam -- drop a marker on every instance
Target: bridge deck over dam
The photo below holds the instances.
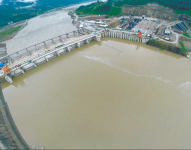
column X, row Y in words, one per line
column 32, row 56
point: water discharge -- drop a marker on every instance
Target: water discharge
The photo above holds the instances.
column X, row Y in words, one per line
column 125, row 95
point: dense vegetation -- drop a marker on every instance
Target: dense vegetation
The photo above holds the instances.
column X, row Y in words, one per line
column 99, row 8
column 14, row 11
column 94, row 8
column 180, row 6
column 9, row 32
column 114, row 11
column 113, row 7
column 186, row 34
column 183, row 48
column 168, row 47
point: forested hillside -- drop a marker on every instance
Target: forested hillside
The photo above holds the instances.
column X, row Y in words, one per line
column 100, row 8
column 179, row 6
column 175, row 4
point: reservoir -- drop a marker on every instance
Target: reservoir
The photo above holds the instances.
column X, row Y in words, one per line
column 110, row 94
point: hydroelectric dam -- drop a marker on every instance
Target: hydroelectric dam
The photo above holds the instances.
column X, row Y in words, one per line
column 23, row 60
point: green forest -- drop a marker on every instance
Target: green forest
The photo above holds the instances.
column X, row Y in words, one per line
column 113, row 8
column 99, row 8
column 186, row 34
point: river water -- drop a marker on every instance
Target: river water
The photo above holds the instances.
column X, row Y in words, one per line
column 95, row 96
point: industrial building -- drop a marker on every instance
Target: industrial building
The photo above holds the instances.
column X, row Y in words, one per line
column 167, row 31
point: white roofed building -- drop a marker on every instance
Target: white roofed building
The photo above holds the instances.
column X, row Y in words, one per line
column 167, row 31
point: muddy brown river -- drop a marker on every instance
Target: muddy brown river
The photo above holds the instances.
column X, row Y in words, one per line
column 96, row 96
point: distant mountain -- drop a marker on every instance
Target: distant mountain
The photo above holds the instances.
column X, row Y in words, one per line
column 18, row 10
column 175, row 4
column 179, row 6
column 113, row 7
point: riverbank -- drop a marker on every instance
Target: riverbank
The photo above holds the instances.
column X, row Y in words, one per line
column 169, row 47
column 9, row 134
column 11, row 31
column 7, row 33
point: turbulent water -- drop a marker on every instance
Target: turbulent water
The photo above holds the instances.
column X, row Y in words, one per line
column 96, row 96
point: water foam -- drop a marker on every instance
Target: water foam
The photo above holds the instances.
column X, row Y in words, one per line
column 185, row 85
column 108, row 63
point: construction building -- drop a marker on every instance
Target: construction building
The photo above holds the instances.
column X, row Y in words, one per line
column 167, row 31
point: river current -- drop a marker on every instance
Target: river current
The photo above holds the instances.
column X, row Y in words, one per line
column 133, row 96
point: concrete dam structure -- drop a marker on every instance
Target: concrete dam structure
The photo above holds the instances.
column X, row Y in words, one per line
column 32, row 56
column 123, row 35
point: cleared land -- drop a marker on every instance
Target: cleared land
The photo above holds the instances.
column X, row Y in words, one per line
column 147, row 27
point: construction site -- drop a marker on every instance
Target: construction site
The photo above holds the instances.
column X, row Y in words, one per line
column 158, row 29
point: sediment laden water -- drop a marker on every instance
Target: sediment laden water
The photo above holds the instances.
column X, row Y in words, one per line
column 109, row 94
